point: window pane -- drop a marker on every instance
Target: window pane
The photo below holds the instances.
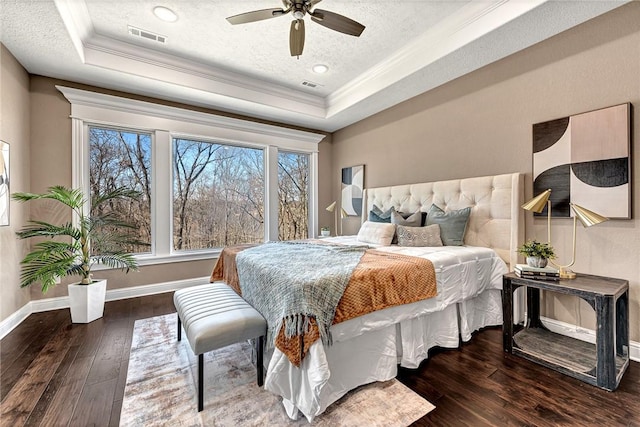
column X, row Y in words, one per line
column 293, row 192
column 119, row 158
column 218, row 195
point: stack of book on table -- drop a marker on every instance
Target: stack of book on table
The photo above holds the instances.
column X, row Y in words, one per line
column 537, row 273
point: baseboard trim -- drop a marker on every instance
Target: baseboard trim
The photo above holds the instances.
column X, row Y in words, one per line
column 584, row 334
column 8, row 324
column 157, row 288
column 58, row 303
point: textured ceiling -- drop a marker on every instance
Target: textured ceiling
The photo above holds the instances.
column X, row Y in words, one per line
column 408, row 47
column 261, row 49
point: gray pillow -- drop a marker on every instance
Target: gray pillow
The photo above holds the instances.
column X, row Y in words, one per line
column 419, row 236
column 453, row 224
column 413, row 220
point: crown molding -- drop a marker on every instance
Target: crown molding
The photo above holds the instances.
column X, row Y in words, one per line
column 480, row 33
column 470, row 23
column 84, row 102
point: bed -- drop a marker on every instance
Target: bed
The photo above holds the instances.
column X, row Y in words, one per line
column 369, row 348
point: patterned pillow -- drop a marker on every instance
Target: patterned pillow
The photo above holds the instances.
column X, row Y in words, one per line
column 419, row 236
column 376, row 233
column 453, row 224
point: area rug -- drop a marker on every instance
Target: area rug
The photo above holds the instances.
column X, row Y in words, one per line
column 162, row 377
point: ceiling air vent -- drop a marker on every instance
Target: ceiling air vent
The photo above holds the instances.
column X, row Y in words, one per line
column 137, row 32
column 310, row 84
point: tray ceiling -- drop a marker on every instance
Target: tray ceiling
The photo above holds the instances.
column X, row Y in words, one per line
column 407, row 48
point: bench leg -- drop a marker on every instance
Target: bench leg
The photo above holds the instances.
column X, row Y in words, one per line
column 259, row 360
column 200, row 382
column 179, row 328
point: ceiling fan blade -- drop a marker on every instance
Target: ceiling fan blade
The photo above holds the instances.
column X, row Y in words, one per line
column 256, row 15
column 313, row 3
column 296, row 37
column 337, row 22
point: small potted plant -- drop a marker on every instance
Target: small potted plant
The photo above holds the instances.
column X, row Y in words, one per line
column 325, row 232
column 537, row 253
column 67, row 250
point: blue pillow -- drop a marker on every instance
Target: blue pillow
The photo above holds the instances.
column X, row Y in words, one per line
column 376, row 214
column 452, row 224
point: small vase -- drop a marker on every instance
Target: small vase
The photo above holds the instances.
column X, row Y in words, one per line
column 535, row 261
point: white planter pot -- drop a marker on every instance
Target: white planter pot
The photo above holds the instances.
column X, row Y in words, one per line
column 535, row 261
column 87, row 301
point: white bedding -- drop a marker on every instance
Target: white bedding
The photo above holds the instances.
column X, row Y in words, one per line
column 368, row 348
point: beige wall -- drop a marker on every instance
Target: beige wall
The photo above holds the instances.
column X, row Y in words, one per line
column 14, row 129
column 480, row 124
column 51, row 145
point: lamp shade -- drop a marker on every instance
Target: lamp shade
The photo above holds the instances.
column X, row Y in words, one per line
column 331, row 207
column 343, row 213
column 587, row 217
column 538, row 203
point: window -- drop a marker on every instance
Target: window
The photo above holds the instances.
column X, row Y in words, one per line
column 122, row 158
column 205, row 181
column 218, row 195
column 293, row 195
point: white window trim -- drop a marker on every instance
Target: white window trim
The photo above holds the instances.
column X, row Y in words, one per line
column 165, row 123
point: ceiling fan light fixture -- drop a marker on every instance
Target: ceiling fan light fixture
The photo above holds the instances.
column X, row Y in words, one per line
column 165, row 14
column 299, row 9
column 320, row 68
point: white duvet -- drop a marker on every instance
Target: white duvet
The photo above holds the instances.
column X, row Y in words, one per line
column 368, row 348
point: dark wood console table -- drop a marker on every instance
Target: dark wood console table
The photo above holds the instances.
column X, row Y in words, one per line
column 602, row 364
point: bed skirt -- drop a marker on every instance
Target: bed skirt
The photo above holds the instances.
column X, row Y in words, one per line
column 374, row 355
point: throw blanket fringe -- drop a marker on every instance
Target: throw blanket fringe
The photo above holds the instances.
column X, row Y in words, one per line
column 293, row 283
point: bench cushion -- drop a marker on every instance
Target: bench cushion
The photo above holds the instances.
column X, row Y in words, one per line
column 214, row 316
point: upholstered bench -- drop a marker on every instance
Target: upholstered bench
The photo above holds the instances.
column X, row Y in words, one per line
column 214, row 316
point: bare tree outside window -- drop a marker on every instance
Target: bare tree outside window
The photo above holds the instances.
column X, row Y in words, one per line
column 293, row 194
column 119, row 158
column 218, row 195
column 218, row 189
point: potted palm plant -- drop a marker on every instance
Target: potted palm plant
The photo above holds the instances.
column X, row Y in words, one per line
column 537, row 253
column 67, row 248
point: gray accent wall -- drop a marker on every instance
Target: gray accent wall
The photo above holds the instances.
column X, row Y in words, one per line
column 481, row 124
column 14, row 129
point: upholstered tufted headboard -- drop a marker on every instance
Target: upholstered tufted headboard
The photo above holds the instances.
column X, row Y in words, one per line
column 496, row 219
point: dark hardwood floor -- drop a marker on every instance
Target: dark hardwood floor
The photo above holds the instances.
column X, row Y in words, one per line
column 53, row 373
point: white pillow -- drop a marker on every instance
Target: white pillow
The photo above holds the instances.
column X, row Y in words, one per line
column 378, row 233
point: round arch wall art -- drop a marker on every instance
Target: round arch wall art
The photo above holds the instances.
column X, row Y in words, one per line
column 352, row 189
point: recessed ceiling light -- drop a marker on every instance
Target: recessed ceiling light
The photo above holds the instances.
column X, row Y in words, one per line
column 165, row 14
column 320, row 68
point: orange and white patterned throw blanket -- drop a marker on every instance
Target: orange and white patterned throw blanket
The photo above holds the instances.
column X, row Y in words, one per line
column 379, row 281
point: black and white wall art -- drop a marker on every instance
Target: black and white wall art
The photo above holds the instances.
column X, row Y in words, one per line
column 352, row 189
column 585, row 159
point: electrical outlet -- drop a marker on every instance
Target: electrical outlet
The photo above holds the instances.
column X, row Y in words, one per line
column 57, row 280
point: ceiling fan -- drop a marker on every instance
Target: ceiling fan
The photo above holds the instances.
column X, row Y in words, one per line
column 300, row 8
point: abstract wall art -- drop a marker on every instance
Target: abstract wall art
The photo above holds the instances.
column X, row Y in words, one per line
column 4, row 184
column 585, row 159
column 352, row 189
